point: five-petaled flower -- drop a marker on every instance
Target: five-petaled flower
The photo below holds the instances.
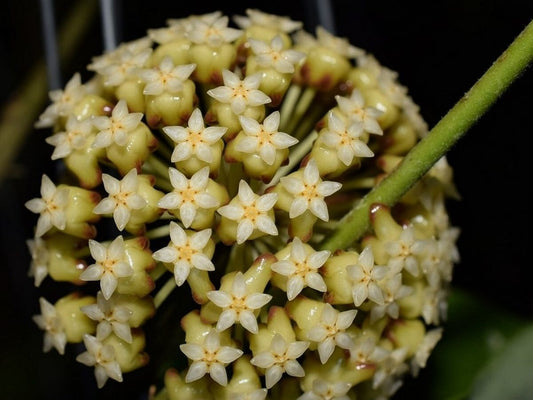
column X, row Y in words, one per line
column 185, row 251
column 364, row 277
column 123, row 198
column 166, row 77
column 50, row 322
column 115, row 129
column 102, row 357
column 111, row 265
column 326, row 390
column 74, row 137
column 209, row 358
column 238, row 305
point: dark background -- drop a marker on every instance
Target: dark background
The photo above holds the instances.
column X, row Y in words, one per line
column 439, row 49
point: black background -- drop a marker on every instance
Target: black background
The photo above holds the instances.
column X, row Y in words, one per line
column 439, row 49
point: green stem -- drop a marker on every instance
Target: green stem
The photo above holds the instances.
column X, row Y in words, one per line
column 476, row 102
column 164, row 292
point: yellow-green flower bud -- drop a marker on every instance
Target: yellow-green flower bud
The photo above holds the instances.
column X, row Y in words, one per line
column 171, row 108
column 130, row 356
column 178, row 389
column 245, row 381
column 64, row 264
column 177, row 50
column 211, row 61
column 406, row 333
column 79, row 212
column 131, row 90
column 336, row 277
column 377, row 99
column 139, row 257
column 75, row 323
column 151, row 211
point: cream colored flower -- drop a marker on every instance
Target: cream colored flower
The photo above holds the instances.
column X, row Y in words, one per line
column 393, row 290
column 326, row 390
column 240, row 94
column 195, row 140
column 309, row 192
column 331, row 331
column 51, row 207
column 74, row 137
column 39, row 259
column 110, row 316
column 50, row 322
column 102, row 358
column 419, row 360
column 301, row 269
column 238, row 305
column 188, row 195
column 185, row 252
column 166, row 78
column 364, row 277
column 260, row 18
column 212, row 32
column 63, row 102
column 123, row 198
column 404, row 252
column 354, row 109
column 345, row 138
column 264, row 139
column 281, row 357
column 250, row 211
column 365, row 351
column 209, row 358
column 115, row 129
column 111, row 265
column 339, row 45
column 274, row 56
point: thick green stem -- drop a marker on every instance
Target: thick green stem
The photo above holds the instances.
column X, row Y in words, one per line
column 440, row 139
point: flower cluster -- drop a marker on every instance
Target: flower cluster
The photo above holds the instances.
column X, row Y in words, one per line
column 221, row 157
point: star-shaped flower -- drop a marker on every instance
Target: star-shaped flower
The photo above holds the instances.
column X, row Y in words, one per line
column 166, row 77
column 63, row 102
column 195, row 140
column 209, row 358
column 111, row 317
column 309, row 191
column 50, row 322
column 111, row 264
column 213, row 33
column 274, row 55
column 102, row 357
column 39, row 259
column 238, row 305
column 301, row 268
column 279, row 358
column 325, row 390
column 393, row 290
column 264, row 139
column 404, row 251
column 261, row 18
column 364, row 277
column 354, row 108
column 337, row 44
column 185, row 251
column 115, row 129
column 330, row 331
column 347, row 140
column 240, row 94
column 123, row 198
column 250, row 211
column 188, row 195
column 74, row 137
column 51, row 207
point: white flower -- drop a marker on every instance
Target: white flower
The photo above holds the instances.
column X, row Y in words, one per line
column 365, row 351
column 73, row 138
column 271, row 21
column 188, row 195
column 213, row 33
column 325, row 390
column 423, row 352
column 309, row 191
column 250, row 211
column 264, row 139
column 393, row 365
column 337, row 44
column 274, row 55
column 166, row 77
column 354, row 108
column 115, row 129
column 102, row 357
column 238, row 305
column 404, row 251
column 111, row 317
column 123, row 198
column 281, row 357
column 209, row 358
column 239, row 94
column 393, row 290
column 330, row 331
column 185, row 252
column 51, row 207
column 364, row 277
column 301, row 268
column 50, row 322
column 39, row 259
column 63, row 102
column 195, row 140
column 111, row 264
column 345, row 139
column 388, row 83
